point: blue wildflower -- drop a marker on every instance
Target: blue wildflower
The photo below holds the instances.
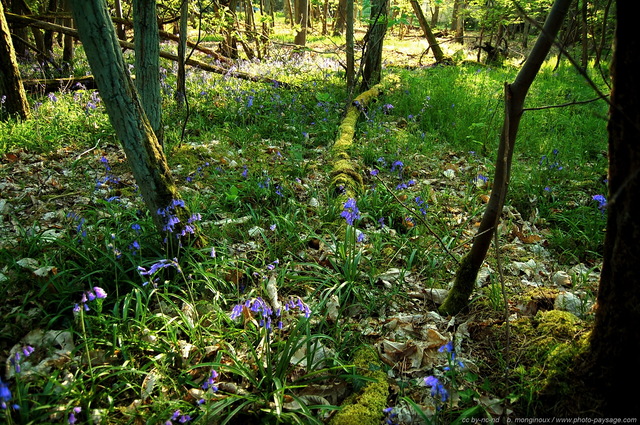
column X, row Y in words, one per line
column 437, row 389
column 350, row 211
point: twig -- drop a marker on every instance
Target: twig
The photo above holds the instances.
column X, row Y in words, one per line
column 422, row 220
column 562, row 105
column 88, row 150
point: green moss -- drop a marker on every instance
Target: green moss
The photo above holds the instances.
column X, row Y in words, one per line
column 365, row 408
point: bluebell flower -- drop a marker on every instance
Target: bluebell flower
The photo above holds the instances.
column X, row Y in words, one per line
column 437, row 389
column 209, row 383
column 602, row 202
column 72, row 416
column 350, row 211
column 5, row 394
column 162, row 264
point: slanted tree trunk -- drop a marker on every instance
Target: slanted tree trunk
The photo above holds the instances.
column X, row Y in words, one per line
column 372, row 72
column 616, row 333
column 12, row 95
column 515, row 94
column 144, row 153
column 426, row 28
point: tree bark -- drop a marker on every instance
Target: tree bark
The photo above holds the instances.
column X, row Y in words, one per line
column 147, row 62
column 340, row 17
column 515, row 94
column 350, row 50
column 616, row 333
column 144, row 153
column 181, row 90
column 433, row 42
column 372, row 72
column 12, row 95
column 302, row 15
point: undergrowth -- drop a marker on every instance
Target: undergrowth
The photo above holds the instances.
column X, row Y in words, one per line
column 261, row 324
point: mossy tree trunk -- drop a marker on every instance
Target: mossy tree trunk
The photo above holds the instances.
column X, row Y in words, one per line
column 616, row 334
column 147, row 62
column 12, row 94
column 144, row 153
column 515, row 94
column 372, row 71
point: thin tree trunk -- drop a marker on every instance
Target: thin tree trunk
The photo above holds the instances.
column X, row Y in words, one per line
column 144, row 153
column 433, row 42
column 351, row 77
column 515, row 94
column 435, row 13
column 181, row 90
column 67, row 42
column 12, row 95
column 122, row 35
column 147, row 62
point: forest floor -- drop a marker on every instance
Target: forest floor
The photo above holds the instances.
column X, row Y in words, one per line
column 527, row 320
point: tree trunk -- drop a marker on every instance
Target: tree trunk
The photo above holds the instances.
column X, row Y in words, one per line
column 350, row 45
column 435, row 13
column 144, row 153
column 181, row 90
column 302, row 15
column 12, row 95
column 372, row 72
column 120, row 31
column 147, row 62
column 515, row 94
column 433, row 42
column 616, row 333
column 67, row 43
column 339, row 20
column 457, row 23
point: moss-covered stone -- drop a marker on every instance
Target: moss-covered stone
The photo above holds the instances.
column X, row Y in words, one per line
column 365, row 407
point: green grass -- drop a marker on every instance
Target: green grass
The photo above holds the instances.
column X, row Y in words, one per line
column 253, row 163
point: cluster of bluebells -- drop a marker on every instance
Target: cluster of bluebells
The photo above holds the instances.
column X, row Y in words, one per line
column 422, row 205
column 72, row 416
column 79, row 223
column 5, row 396
column 198, row 173
column 89, row 296
column 107, row 178
column 350, row 211
column 551, row 163
column 438, row 390
column 389, row 416
column 602, row 202
column 266, row 314
column 17, row 357
column 171, row 219
column 178, row 417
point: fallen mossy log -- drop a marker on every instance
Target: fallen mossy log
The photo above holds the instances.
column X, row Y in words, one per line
column 365, row 407
column 12, row 17
column 345, row 178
